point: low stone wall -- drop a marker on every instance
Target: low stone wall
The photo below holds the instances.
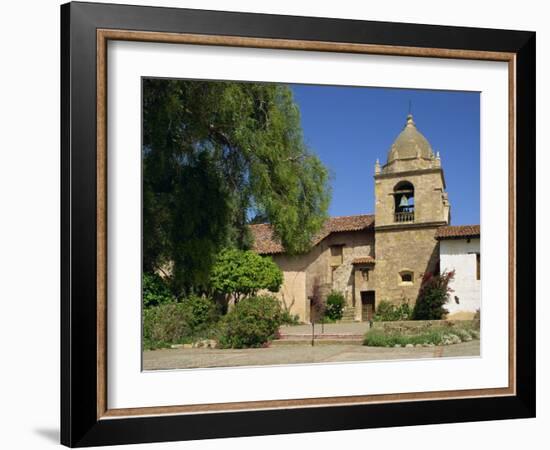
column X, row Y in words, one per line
column 414, row 326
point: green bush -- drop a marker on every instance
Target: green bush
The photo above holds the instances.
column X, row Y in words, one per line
column 464, row 334
column 434, row 293
column 155, row 291
column 335, row 306
column 474, row 333
column 388, row 312
column 378, row 338
column 239, row 274
column 289, row 319
column 438, row 335
column 178, row 323
column 164, row 325
column 252, row 322
column 326, row 319
column 202, row 312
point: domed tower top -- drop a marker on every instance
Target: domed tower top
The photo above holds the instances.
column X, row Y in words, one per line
column 410, row 188
column 410, row 151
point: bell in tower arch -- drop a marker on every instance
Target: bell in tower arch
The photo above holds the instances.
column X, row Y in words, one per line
column 404, row 202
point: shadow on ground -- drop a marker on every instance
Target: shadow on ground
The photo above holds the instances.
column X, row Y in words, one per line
column 49, row 434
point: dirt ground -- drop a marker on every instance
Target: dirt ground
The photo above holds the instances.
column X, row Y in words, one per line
column 187, row 358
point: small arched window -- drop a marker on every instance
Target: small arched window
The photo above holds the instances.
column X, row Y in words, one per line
column 403, row 194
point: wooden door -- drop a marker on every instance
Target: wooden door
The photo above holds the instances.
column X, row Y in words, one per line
column 367, row 305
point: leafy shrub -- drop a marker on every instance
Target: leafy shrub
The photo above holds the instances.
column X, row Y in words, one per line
column 155, row 291
column 441, row 335
column 388, row 312
column 178, row 323
column 463, row 334
column 202, row 312
column 434, row 293
column 164, row 325
column 243, row 273
column 378, row 338
column 335, row 306
column 326, row 319
column 474, row 333
column 252, row 322
column 289, row 319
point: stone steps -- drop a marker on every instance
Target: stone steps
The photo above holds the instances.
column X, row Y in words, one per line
column 290, row 337
column 306, row 336
column 318, row 341
column 348, row 315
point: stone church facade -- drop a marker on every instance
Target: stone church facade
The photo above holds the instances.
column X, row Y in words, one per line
column 380, row 256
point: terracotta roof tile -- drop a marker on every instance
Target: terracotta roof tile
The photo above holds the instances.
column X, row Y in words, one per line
column 457, row 232
column 266, row 243
column 364, row 260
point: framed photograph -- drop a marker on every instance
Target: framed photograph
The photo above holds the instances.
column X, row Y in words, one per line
column 277, row 224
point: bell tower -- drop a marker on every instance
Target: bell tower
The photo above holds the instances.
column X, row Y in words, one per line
column 410, row 187
column 410, row 204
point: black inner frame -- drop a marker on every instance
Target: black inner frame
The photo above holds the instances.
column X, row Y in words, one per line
column 79, row 424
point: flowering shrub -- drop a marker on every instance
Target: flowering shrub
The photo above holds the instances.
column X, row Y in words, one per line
column 334, row 306
column 434, row 293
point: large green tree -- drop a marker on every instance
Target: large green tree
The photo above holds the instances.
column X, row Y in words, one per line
column 215, row 154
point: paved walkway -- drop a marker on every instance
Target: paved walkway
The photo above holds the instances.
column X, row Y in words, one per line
column 295, row 354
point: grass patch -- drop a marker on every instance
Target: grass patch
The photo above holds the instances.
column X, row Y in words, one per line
column 441, row 335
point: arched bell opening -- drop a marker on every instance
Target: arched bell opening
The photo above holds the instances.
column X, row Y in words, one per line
column 403, row 194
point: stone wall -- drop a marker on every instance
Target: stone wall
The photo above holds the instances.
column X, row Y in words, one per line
column 429, row 196
column 301, row 272
column 405, row 249
column 356, row 245
column 397, row 250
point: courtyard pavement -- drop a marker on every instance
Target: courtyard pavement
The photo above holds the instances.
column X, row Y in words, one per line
column 187, row 358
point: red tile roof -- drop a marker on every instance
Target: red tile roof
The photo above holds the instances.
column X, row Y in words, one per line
column 364, row 260
column 266, row 243
column 458, row 232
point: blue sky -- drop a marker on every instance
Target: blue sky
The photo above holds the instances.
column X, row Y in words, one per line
column 350, row 127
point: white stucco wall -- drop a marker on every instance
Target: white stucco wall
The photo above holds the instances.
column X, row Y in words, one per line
column 460, row 255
